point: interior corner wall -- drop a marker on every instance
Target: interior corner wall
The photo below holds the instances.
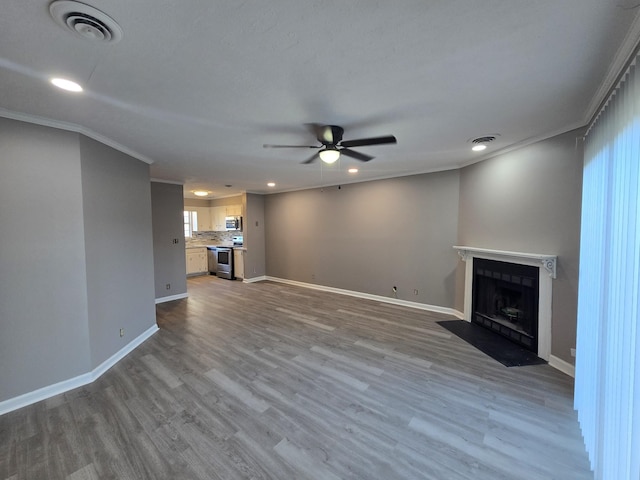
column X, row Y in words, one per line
column 116, row 193
column 368, row 237
column 169, row 265
column 254, row 236
column 44, row 335
column 529, row 200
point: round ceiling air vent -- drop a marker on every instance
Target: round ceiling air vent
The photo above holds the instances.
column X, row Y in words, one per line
column 85, row 21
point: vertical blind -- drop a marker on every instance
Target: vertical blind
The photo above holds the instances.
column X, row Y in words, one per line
column 607, row 384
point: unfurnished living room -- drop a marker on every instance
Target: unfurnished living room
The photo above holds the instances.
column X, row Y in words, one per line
column 319, row 240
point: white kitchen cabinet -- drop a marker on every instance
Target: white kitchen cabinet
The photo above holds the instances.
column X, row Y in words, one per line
column 234, row 210
column 218, row 215
column 196, row 260
column 204, row 219
column 238, row 263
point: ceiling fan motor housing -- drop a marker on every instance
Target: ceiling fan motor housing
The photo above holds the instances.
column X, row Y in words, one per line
column 331, row 135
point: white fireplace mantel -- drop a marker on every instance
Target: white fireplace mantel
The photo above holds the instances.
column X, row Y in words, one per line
column 535, row 259
column 542, row 261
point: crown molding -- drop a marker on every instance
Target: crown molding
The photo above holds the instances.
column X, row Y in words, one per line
column 72, row 127
column 160, row 180
column 526, row 142
column 623, row 56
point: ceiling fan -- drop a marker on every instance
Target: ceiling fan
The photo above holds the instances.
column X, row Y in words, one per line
column 332, row 145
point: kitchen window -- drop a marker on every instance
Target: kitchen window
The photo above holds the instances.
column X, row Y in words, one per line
column 190, row 222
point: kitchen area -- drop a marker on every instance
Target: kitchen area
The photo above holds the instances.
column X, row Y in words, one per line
column 214, row 239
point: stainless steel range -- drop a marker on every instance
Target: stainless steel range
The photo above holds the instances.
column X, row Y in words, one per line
column 225, row 262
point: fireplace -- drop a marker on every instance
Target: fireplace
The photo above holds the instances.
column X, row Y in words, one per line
column 507, row 306
column 505, row 300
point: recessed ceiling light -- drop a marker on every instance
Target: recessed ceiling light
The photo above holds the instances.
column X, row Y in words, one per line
column 353, row 170
column 200, row 193
column 67, row 85
column 271, row 184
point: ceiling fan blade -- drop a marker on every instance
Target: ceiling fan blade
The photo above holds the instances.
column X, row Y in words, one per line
column 311, row 159
column 268, row 145
column 369, row 141
column 357, row 155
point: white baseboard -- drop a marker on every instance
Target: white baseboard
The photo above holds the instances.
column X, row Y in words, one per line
column 124, row 351
column 564, row 367
column 369, row 296
column 44, row 393
column 171, row 297
column 254, row 279
column 57, row 388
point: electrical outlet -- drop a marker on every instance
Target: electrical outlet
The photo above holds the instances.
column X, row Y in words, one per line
column 175, row 240
column 395, row 289
column 168, row 286
column 415, row 291
column 573, row 352
column 122, row 332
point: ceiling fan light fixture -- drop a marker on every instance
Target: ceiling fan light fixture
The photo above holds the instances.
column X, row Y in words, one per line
column 329, row 155
column 200, row 193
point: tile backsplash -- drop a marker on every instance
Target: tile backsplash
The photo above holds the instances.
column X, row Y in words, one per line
column 203, row 238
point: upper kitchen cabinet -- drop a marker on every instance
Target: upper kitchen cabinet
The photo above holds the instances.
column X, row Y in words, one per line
column 218, row 215
column 204, row 223
column 234, row 210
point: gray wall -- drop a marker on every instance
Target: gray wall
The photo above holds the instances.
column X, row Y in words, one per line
column 119, row 247
column 44, row 336
column 196, row 202
column 254, row 236
column 168, row 257
column 529, row 200
column 76, row 261
column 369, row 236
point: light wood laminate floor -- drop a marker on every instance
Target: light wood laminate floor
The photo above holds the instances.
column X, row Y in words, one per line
column 265, row 380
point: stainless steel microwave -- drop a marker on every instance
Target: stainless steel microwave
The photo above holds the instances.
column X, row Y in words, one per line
column 233, row 223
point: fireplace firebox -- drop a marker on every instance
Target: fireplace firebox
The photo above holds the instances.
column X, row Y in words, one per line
column 505, row 300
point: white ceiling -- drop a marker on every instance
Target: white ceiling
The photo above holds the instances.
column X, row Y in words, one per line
column 197, row 87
